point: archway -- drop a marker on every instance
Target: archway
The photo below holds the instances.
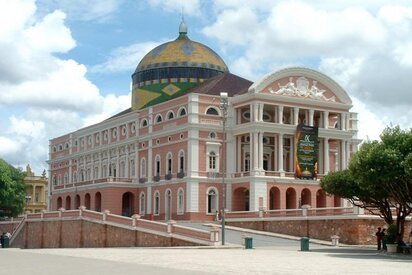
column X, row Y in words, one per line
column 290, row 198
column 127, row 204
column 274, row 198
column 68, row 204
column 77, row 202
column 240, row 199
column 306, row 197
column 87, row 201
column 98, row 202
column 320, row 199
column 59, row 203
column 212, row 201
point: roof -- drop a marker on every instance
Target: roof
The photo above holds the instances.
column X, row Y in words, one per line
column 227, row 82
column 121, row 113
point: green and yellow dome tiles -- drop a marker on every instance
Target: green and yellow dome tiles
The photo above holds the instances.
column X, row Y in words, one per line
column 172, row 68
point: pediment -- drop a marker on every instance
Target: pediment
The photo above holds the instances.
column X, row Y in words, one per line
column 301, row 83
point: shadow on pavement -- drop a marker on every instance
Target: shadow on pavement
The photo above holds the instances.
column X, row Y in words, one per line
column 363, row 254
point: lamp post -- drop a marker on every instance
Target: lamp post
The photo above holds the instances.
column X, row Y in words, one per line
column 224, row 103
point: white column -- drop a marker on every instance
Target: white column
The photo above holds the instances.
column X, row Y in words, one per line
column 149, row 200
column 239, row 115
column 70, row 172
column 261, row 105
column 261, row 151
column 343, row 121
column 239, row 153
column 127, row 164
column 252, row 115
column 347, row 151
column 255, row 151
column 343, row 155
column 256, row 112
column 280, row 153
column 251, row 151
column 149, row 162
column 292, row 155
column 326, row 119
column 311, row 113
column 280, row 114
column 193, row 153
column 326, row 155
column 295, row 115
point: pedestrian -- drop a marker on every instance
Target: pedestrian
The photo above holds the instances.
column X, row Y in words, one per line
column 384, row 239
column 379, row 238
column 1, row 239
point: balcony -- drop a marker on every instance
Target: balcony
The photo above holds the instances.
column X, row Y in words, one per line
column 180, row 175
column 168, row 176
column 156, row 178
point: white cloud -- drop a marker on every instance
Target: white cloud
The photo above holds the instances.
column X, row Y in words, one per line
column 86, row 10
column 191, row 7
column 367, row 48
column 124, row 58
column 48, row 95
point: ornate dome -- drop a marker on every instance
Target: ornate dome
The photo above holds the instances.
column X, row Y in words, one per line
column 183, row 63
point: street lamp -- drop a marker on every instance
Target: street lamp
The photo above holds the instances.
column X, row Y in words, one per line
column 224, row 103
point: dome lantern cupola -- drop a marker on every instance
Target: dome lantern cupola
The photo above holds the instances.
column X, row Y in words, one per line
column 182, row 29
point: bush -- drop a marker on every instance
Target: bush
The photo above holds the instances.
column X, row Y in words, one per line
column 391, row 234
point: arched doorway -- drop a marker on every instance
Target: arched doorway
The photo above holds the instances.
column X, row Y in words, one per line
column 68, row 204
column 87, row 201
column 290, row 198
column 212, row 202
column 127, row 204
column 59, row 203
column 306, row 197
column 240, row 199
column 274, row 198
column 77, row 202
column 98, row 202
column 168, row 205
column 320, row 199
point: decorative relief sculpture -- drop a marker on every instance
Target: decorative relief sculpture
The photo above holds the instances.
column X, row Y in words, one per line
column 302, row 90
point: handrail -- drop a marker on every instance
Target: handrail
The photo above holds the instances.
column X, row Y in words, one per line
column 17, row 230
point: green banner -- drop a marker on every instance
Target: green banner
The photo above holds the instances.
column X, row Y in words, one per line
column 306, row 150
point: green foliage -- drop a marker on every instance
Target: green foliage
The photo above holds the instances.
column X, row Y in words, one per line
column 12, row 190
column 391, row 234
column 379, row 176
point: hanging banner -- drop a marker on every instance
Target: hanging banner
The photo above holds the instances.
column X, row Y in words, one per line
column 306, row 152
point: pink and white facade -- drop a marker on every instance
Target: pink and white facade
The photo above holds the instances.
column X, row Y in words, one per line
column 166, row 161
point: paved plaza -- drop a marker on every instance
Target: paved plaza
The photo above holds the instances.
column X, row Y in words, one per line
column 271, row 255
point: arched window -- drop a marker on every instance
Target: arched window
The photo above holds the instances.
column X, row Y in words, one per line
column 181, row 162
column 247, row 162
column 144, row 123
column 180, row 201
column 157, row 165
column 212, row 135
column 169, row 163
column 156, row 207
column 212, row 201
column 212, row 111
column 143, row 168
column 54, row 180
column 212, row 161
column 170, row 115
column 182, row 111
column 54, row 149
column 158, row 118
column 132, row 168
column 142, row 209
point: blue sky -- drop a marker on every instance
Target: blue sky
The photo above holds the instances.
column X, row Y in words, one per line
column 66, row 64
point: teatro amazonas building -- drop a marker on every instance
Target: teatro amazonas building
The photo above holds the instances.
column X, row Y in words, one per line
column 169, row 156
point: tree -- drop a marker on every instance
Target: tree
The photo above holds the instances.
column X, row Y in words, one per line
column 12, row 190
column 379, row 177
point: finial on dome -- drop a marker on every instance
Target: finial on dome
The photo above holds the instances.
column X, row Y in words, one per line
column 182, row 28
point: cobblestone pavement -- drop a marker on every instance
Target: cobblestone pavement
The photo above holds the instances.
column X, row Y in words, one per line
column 268, row 260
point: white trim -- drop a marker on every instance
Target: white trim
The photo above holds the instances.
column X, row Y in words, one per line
column 180, row 208
column 209, row 189
column 262, row 83
column 212, row 107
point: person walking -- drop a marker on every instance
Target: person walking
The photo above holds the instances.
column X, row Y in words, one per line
column 384, row 239
column 379, row 238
